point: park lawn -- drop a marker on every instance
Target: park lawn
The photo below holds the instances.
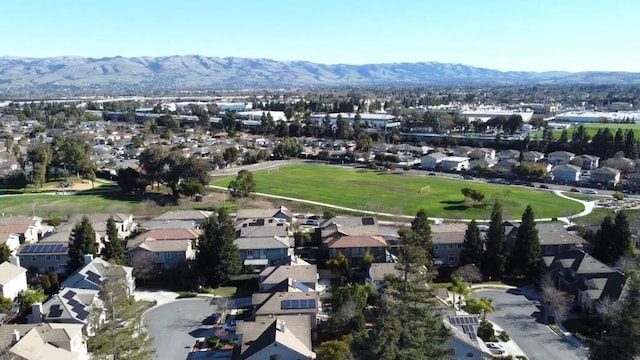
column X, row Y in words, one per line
column 592, row 129
column 401, row 193
column 89, row 202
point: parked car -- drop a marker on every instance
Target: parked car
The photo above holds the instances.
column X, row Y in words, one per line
column 468, row 177
column 530, row 184
column 591, row 192
column 574, row 190
column 432, row 174
column 312, row 222
column 543, row 186
column 496, row 349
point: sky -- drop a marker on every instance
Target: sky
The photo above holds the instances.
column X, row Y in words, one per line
column 508, row 35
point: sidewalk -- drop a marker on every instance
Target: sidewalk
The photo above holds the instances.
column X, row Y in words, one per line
column 160, row 297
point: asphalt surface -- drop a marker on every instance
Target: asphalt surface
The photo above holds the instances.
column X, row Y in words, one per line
column 175, row 326
column 519, row 316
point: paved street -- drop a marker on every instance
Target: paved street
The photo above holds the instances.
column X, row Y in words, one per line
column 175, row 326
column 519, row 317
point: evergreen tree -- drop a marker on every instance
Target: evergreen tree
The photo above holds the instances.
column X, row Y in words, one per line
column 527, row 246
column 613, row 239
column 81, row 242
column 618, row 141
column 114, row 249
column 217, row 257
column 409, row 326
column 630, row 146
column 472, row 247
column 420, row 226
column 564, row 136
column 621, row 340
column 496, row 256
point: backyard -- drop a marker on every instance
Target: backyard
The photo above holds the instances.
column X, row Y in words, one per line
column 402, row 194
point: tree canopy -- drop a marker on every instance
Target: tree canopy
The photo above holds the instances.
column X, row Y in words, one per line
column 496, row 256
column 243, row 185
column 526, row 252
column 114, row 248
column 217, row 256
column 82, row 242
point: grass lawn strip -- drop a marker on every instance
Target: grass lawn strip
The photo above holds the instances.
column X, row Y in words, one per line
column 401, row 194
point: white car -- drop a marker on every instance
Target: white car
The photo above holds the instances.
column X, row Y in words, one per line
column 231, row 325
column 496, row 349
column 591, row 192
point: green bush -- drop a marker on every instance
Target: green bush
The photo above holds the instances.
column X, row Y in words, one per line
column 521, row 357
column 186, row 294
column 486, row 332
column 504, row 336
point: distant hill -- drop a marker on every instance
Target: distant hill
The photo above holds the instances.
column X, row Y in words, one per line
column 201, row 72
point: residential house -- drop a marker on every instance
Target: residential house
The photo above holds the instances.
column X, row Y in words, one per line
column 482, row 153
column 43, row 341
column 261, row 227
column 349, row 225
column 532, row 156
column 462, row 151
column 621, row 163
column 45, row 257
column 483, row 163
column 355, row 248
column 12, row 240
column 505, row 164
column 464, row 343
column 566, row 173
column 560, row 157
column 93, row 273
column 606, row 175
column 554, row 239
column 509, row 154
column 454, row 163
column 588, row 162
column 70, row 306
column 280, row 214
column 283, row 337
column 124, row 223
column 593, row 285
column 264, row 251
column 166, row 234
column 378, row 271
column 13, row 278
column 27, row 233
column 196, row 216
column 274, row 275
column 447, row 242
column 165, row 254
column 301, row 303
column 432, row 161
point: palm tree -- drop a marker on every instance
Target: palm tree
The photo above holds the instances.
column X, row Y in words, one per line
column 480, row 306
column 459, row 287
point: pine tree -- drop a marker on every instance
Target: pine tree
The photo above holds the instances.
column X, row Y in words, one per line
column 630, row 145
column 81, row 242
column 409, row 326
column 420, row 226
column 497, row 255
column 527, row 245
column 217, row 257
column 618, row 141
column 472, row 247
column 114, row 249
column 621, row 341
column 612, row 240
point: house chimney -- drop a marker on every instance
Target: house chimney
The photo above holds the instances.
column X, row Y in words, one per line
column 14, row 260
column 88, row 258
column 281, row 325
column 15, row 337
column 36, row 313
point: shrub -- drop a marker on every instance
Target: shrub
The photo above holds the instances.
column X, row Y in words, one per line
column 521, row 357
column 504, row 336
column 485, row 331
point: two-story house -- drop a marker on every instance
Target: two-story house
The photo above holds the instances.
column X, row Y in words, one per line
column 70, row 306
column 589, row 162
column 13, row 278
column 532, row 156
column 268, row 338
column 378, row 271
column 165, row 254
column 272, row 276
column 280, row 214
column 554, row 239
column 447, row 242
column 355, row 248
column 606, row 175
column 45, row 258
column 593, row 285
column 560, row 157
column 566, row 173
column 482, row 153
column 43, row 341
column 197, row 217
column 93, row 273
column 432, row 161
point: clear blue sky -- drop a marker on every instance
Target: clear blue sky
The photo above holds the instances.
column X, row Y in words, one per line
column 528, row 35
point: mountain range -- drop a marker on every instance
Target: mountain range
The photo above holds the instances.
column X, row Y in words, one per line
column 200, row 72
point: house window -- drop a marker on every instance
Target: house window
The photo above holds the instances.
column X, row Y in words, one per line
column 51, row 269
column 452, row 258
column 263, row 254
column 459, row 246
column 436, row 247
column 168, row 255
column 57, row 257
column 450, row 246
column 249, row 254
column 48, row 257
column 469, row 354
column 33, row 258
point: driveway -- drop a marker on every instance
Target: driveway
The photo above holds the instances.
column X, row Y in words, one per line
column 175, row 326
column 519, row 316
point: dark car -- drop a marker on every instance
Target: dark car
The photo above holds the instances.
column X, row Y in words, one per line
column 530, row 184
column 432, row 174
column 574, row 190
column 543, row 186
column 468, row 177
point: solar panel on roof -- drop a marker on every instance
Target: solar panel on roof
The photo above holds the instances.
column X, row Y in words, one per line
column 368, row 221
column 69, row 294
column 83, row 314
column 93, row 277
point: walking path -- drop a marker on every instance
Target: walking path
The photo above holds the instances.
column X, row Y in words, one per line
column 588, row 208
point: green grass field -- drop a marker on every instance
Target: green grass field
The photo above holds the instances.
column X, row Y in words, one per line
column 397, row 193
column 592, row 129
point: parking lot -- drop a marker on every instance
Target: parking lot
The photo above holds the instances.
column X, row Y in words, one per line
column 519, row 316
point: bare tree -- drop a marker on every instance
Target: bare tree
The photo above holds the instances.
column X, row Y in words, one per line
column 554, row 300
column 469, row 273
column 347, row 311
column 144, row 265
column 222, row 304
column 627, row 262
